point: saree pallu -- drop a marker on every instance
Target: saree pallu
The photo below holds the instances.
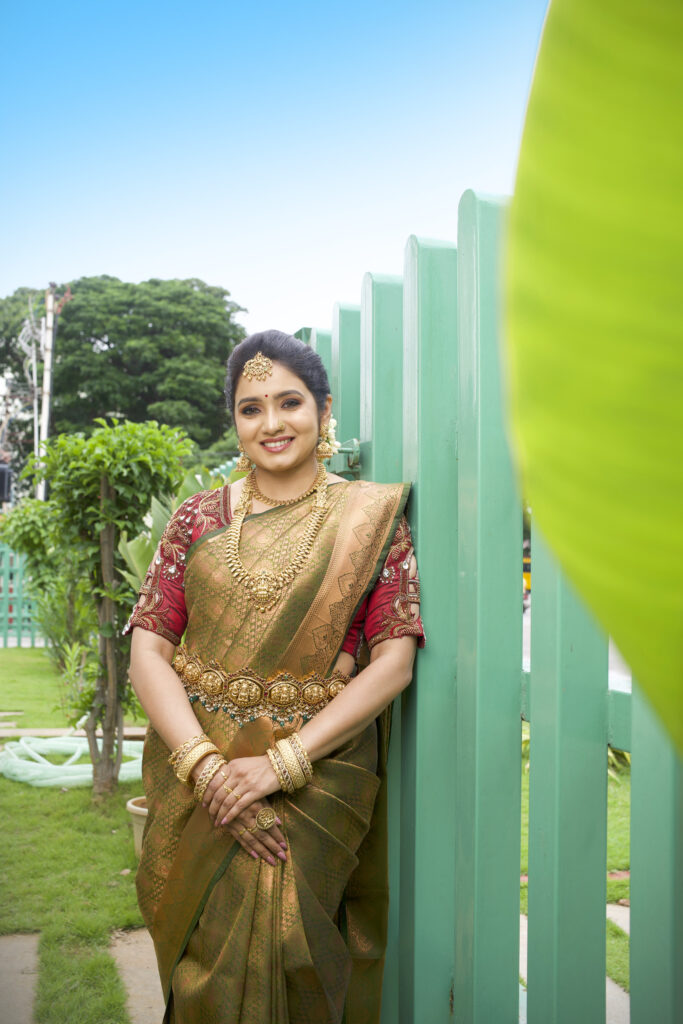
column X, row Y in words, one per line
column 237, row 940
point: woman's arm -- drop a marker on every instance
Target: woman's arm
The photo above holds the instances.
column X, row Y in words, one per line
column 359, row 703
column 159, row 689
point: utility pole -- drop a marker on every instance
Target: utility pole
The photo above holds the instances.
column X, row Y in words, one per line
column 48, row 332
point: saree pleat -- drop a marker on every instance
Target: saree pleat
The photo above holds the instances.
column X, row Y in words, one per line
column 237, row 940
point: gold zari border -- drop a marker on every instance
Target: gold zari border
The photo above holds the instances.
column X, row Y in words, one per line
column 245, row 695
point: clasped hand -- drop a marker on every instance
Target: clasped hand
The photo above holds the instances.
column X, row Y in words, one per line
column 234, row 797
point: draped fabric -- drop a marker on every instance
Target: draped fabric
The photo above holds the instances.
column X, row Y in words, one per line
column 239, row 941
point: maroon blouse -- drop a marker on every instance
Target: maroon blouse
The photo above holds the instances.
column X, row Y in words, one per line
column 383, row 615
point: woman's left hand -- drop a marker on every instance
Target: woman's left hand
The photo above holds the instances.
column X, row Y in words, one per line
column 249, row 779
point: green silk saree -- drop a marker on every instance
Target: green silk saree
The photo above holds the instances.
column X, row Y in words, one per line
column 239, row 941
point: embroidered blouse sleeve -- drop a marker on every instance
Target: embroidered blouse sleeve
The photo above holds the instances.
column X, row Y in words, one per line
column 161, row 604
column 392, row 607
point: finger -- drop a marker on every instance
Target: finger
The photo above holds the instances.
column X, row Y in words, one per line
column 242, row 837
column 263, row 851
column 237, row 807
column 265, row 839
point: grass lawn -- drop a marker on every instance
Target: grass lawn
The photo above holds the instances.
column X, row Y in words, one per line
column 63, row 868
column 30, row 683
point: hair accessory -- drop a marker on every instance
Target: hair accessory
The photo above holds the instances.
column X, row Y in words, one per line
column 258, row 368
column 244, row 463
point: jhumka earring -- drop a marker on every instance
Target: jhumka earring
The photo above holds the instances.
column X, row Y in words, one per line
column 324, row 449
column 243, row 464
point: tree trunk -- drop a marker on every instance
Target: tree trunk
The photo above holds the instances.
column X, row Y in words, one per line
column 106, row 766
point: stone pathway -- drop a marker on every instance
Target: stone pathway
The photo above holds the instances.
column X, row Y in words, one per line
column 134, row 955
column 137, row 964
column 18, row 977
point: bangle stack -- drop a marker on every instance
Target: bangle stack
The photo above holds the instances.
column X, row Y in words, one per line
column 179, row 753
column 184, row 769
column 291, row 764
column 213, row 765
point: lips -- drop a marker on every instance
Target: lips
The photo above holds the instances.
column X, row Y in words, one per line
column 278, row 444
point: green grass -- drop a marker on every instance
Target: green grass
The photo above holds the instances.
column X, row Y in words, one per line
column 30, row 684
column 63, row 867
column 617, row 955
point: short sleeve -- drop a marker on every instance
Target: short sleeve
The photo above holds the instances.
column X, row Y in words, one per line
column 392, row 608
column 161, row 605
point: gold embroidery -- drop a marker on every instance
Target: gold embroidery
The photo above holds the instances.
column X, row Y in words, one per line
column 245, row 695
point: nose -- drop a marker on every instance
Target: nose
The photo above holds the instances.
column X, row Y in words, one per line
column 273, row 422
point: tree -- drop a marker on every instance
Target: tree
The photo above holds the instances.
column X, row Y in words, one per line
column 136, row 351
column 100, row 486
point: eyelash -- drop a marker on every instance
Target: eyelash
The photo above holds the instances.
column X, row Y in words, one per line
column 249, row 409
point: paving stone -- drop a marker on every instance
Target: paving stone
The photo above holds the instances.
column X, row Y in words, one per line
column 137, row 966
column 18, row 977
column 620, row 915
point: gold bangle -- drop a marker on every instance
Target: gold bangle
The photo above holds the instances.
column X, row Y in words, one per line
column 179, row 753
column 292, row 762
column 302, row 755
column 280, row 769
column 184, row 769
column 213, row 764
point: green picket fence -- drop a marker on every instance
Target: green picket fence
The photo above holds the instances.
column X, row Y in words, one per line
column 17, row 622
column 416, row 377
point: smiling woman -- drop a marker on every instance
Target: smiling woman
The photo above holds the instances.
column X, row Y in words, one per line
column 263, row 870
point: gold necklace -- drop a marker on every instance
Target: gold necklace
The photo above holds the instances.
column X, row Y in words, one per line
column 265, row 588
column 260, row 496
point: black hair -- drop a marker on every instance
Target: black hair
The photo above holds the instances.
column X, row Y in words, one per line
column 281, row 348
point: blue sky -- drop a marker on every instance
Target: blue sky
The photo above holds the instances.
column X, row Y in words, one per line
column 277, row 149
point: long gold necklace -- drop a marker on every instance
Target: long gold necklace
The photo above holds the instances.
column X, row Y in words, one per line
column 265, row 500
column 265, row 588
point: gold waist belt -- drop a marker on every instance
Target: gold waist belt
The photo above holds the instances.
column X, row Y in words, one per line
column 245, row 695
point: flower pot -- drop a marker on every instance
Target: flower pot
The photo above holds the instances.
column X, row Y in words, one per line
column 137, row 808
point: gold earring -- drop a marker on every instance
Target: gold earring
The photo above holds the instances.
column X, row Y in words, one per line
column 324, row 449
column 243, row 464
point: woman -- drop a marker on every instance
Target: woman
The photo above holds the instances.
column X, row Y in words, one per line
column 265, row 890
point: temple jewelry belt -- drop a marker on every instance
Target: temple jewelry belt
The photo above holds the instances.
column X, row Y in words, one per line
column 245, row 695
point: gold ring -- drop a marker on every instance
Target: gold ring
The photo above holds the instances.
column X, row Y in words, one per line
column 226, row 787
column 242, row 831
column 265, row 818
column 235, row 794
column 254, row 828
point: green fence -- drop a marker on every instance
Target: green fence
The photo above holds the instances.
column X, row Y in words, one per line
column 17, row 623
column 416, row 377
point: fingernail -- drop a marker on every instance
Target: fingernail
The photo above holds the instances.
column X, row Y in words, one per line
column 283, row 845
column 254, row 854
column 224, row 821
column 277, row 821
column 282, row 856
column 271, row 861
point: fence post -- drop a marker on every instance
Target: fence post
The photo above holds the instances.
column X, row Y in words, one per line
column 345, row 379
column 656, row 947
column 428, row 715
column 489, row 633
column 381, row 378
column 321, row 342
column 567, row 802
column 381, row 330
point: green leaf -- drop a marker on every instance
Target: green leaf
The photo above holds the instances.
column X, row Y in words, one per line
column 594, row 315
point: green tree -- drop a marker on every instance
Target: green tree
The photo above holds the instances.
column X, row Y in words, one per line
column 135, row 351
column 101, row 486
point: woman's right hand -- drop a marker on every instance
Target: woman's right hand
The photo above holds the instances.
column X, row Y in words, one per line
column 268, row 844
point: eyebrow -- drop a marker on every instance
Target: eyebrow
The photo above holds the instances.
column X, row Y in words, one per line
column 280, row 394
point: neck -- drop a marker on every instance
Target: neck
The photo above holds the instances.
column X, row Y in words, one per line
column 289, row 484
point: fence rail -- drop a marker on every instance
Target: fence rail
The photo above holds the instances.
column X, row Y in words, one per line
column 17, row 615
column 423, row 354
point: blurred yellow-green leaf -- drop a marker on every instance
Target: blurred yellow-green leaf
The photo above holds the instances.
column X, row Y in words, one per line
column 594, row 315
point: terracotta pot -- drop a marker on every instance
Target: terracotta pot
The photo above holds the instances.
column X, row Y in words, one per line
column 137, row 808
